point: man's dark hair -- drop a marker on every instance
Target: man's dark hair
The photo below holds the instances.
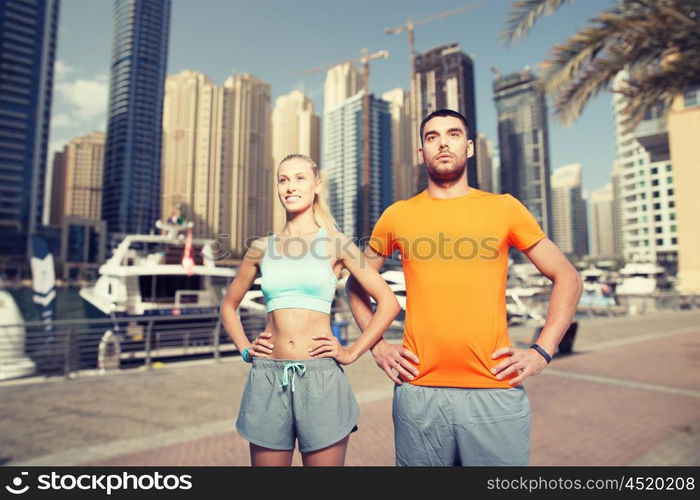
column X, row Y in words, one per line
column 443, row 112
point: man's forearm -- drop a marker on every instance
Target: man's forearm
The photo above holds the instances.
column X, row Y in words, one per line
column 562, row 308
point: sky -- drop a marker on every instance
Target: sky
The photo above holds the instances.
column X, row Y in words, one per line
column 275, row 40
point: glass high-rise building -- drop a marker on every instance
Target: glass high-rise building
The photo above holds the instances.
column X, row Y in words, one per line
column 644, row 187
column 603, row 232
column 342, row 163
column 569, row 218
column 27, row 54
column 342, row 81
column 484, row 162
column 76, row 188
column 132, row 166
column 247, row 170
column 523, row 143
column 296, row 128
column 444, row 78
column 192, row 135
column 683, row 130
column 402, row 153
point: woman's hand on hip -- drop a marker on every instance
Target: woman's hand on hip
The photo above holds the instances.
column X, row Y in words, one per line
column 261, row 346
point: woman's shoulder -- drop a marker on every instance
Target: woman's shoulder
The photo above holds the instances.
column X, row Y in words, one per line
column 341, row 245
column 335, row 235
column 256, row 250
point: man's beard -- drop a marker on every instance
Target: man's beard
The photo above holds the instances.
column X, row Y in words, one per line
column 445, row 175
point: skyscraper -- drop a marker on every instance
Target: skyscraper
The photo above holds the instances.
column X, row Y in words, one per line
column 444, row 78
column 683, row 131
column 523, row 143
column 645, row 188
column 295, row 129
column 58, row 186
column 496, row 160
column 569, row 221
column 484, row 162
column 27, row 53
column 402, row 152
column 342, row 81
column 132, row 167
column 192, row 146
column 247, row 162
column 77, row 179
column 342, row 162
column 603, row 223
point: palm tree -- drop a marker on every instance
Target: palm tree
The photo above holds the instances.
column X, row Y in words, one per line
column 653, row 44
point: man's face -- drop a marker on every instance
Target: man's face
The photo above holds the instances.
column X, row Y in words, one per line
column 445, row 148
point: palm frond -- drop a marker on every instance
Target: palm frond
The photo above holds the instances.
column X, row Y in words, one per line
column 685, row 17
column 655, row 45
column 597, row 76
column 643, row 90
column 568, row 58
column 628, row 30
column 524, row 14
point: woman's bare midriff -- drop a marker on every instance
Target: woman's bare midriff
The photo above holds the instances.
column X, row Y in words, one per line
column 292, row 330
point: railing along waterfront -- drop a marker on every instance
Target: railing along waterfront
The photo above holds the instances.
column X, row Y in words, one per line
column 64, row 347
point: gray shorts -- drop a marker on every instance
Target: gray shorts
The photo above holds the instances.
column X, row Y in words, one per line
column 447, row 426
column 284, row 400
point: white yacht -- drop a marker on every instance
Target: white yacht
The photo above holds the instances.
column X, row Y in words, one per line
column 527, row 293
column 639, row 278
column 13, row 360
column 397, row 282
column 158, row 275
column 526, row 280
column 517, row 311
column 252, row 311
column 593, row 279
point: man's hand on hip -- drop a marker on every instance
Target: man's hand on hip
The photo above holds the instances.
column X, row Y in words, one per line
column 523, row 362
column 395, row 357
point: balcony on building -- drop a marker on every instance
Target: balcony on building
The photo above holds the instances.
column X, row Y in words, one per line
column 652, row 134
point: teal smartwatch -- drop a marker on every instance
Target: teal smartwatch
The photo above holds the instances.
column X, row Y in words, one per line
column 247, row 357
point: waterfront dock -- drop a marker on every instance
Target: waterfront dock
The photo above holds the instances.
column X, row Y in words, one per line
column 628, row 395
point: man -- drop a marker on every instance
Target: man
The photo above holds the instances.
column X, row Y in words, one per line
column 462, row 402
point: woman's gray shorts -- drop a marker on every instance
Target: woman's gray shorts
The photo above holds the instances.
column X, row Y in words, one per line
column 447, row 426
column 310, row 400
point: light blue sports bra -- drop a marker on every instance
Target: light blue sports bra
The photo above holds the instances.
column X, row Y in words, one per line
column 305, row 282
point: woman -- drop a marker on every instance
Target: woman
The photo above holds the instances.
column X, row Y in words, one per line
column 296, row 388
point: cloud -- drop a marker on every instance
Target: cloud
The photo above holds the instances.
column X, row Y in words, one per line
column 61, row 69
column 61, row 120
column 86, row 98
column 79, row 106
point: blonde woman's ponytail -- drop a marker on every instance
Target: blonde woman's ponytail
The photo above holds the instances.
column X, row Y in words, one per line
column 322, row 214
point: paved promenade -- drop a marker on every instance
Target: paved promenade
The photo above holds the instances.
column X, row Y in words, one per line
column 629, row 395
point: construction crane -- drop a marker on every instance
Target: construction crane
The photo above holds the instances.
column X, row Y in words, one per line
column 409, row 27
column 364, row 59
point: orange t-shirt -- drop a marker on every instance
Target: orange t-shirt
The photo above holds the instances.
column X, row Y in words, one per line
column 455, row 260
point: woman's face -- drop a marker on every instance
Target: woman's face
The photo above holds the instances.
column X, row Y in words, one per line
column 296, row 185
